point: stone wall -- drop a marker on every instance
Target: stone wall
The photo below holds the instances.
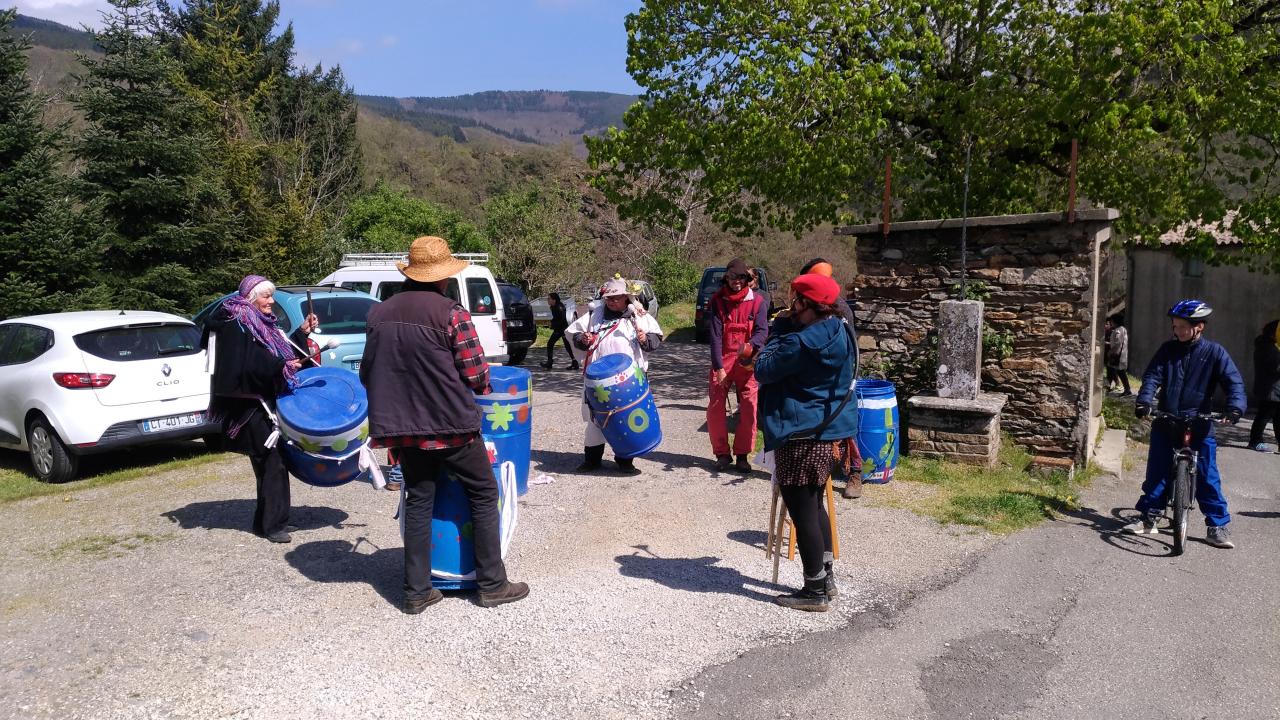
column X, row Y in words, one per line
column 1039, row 278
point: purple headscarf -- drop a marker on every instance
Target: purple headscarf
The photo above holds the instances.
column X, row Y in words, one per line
column 260, row 325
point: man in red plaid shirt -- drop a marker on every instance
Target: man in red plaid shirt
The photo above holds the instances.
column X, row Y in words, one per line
column 422, row 365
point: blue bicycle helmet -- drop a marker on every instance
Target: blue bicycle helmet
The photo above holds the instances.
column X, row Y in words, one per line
column 1190, row 310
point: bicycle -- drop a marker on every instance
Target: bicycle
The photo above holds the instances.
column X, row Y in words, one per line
column 1180, row 488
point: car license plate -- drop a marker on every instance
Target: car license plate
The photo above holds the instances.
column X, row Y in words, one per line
column 172, row 423
column 515, row 323
column 355, row 366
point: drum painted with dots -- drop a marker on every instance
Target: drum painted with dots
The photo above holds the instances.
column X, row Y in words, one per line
column 507, row 420
column 325, row 422
column 617, row 392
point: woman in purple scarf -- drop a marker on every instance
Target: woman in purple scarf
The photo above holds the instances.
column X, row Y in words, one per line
column 253, row 365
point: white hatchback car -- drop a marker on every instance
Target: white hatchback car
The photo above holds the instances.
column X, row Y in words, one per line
column 78, row 383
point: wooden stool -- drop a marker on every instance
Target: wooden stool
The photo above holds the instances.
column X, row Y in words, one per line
column 778, row 519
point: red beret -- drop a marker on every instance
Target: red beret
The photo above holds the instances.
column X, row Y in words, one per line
column 818, row 288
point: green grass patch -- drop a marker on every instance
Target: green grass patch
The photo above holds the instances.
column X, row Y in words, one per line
column 105, row 546
column 17, row 481
column 676, row 320
column 1002, row 499
column 1117, row 413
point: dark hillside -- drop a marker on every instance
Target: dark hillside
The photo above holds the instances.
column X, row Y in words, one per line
column 54, row 35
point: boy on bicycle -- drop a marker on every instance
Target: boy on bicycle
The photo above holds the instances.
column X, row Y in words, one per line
column 1186, row 370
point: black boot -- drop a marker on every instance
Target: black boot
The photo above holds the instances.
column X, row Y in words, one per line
column 832, row 591
column 810, row 598
column 627, row 466
column 593, row 455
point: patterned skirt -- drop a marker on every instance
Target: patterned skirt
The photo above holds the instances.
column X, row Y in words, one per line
column 804, row 462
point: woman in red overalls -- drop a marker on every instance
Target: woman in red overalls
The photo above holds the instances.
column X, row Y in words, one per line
column 738, row 327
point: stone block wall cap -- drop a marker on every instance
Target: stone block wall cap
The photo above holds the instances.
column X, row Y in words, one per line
column 1048, row 218
column 985, row 404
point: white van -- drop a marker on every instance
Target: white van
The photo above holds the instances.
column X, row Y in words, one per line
column 474, row 288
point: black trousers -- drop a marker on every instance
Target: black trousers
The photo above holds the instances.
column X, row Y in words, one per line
column 809, row 518
column 558, row 335
column 1268, row 410
column 1116, row 374
column 470, row 463
column 271, row 513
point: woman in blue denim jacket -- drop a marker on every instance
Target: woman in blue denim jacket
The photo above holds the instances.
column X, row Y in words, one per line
column 806, row 409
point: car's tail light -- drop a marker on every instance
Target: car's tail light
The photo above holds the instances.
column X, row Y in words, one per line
column 313, row 350
column 80, row 381
column 697, row 317
column 504, row 330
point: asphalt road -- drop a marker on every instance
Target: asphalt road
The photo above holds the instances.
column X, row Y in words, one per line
column 1070, row 620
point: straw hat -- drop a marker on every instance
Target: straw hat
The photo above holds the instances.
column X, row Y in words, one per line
column 430, row 261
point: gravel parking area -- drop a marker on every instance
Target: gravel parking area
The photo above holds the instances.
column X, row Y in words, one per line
column 150, row 599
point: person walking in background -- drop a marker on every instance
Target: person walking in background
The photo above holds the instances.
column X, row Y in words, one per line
column 423, row 365
column 1117, row 354
column 738, row 327
column 807, row 408
column 1186, row 370
column 559, row 322
column 1266, row 385
column 612, row 327
column 253, row 365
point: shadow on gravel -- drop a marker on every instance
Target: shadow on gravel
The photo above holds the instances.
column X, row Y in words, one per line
column 336, row 561
column 694, row 575
column 753, row 538
column 1259, row 514
column 238, row 515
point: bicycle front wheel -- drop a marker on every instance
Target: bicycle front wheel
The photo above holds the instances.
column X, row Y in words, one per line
column 1181, row 502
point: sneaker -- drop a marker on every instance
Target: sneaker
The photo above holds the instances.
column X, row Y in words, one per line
column 279, row 536
column 1144, row 525
column 1219, row 537
column 393, row 486
column 832, row 591
column 510, row 592
column 723, row 462
column 1262, row 447
column 743, row 465
column 546, row 365
column 413, row 607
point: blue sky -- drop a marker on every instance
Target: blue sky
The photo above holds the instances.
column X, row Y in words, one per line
column 443, row 47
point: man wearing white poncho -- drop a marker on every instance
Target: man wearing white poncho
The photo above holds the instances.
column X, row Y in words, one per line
column 612, row 327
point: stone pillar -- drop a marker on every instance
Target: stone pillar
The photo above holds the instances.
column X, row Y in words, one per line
column 959, row 349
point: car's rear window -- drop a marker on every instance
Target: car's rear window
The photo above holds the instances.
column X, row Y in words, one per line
column 512, row 294
column 341, row 315
column 141, row 342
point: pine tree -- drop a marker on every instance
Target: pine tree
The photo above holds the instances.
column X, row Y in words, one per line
column 47, row 260
column 148, row 169
column 286, row 140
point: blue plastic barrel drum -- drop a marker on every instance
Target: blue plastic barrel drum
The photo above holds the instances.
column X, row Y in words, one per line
column 507, row 431
column 877, row 429
column 622, row 406
column 325, row 422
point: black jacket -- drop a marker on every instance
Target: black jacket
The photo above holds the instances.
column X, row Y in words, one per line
column 415, row 387
column 244, row 367
column 1266, row 365
column 559, row 318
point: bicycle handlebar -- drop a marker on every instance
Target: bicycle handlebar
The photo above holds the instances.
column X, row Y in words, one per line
column 1211, row 416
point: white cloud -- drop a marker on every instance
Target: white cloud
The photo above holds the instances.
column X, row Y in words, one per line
column 68, row 12
column 389, row 41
